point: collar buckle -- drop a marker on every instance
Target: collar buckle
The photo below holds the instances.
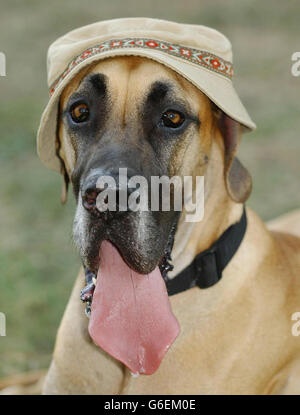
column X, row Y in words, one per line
column 207, row 270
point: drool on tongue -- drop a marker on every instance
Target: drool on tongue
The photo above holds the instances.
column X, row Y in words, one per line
column 131, row 317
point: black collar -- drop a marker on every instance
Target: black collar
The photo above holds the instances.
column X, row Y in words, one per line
column 206, row 269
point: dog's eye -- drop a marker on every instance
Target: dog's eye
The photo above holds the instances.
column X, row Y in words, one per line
column 172, row 119
column 80, row 113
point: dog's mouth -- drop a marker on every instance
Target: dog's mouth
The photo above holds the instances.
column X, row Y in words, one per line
column 91, row 272
column 130, row 313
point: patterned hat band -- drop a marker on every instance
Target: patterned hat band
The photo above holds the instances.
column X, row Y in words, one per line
column 199, row 57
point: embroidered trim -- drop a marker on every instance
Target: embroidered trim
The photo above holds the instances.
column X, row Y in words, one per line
column 199, row 57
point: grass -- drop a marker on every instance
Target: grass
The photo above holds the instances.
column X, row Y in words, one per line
column 38, row 263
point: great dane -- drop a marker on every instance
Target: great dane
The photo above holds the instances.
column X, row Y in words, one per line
column 236, row 337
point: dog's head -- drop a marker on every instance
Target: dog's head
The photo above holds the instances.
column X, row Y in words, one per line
column 136, row 114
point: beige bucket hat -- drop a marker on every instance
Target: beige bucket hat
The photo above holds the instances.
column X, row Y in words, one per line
column 200, row 54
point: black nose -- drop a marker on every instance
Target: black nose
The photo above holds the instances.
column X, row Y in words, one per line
column 90, row 192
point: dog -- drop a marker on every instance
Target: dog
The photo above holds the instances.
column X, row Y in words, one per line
column 236, row 336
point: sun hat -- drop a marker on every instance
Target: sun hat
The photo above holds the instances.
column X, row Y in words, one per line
column 200, row 54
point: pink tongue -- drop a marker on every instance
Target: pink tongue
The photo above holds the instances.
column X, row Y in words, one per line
column 131, row 316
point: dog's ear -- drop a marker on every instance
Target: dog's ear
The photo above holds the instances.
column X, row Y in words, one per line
column 65, row 186
column 237, row 178
column 63, row 170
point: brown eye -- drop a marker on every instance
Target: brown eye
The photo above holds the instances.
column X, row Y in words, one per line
column 80, row 113
column 172, row 119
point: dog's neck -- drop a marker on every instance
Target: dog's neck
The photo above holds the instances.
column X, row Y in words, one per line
column 219, row 213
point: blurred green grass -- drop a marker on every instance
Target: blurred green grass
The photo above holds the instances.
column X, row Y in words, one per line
column 38, row 263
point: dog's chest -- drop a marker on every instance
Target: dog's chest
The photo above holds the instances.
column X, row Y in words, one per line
column 206, row 357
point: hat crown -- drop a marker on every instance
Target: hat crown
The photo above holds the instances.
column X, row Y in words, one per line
column 67, row 47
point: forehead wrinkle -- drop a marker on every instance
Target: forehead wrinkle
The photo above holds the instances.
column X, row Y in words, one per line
column 117, row 72
column 158, row 91
column 171, row 92
column 74, row 85
column 96, row 80
column 130, row 71
column 135, row 78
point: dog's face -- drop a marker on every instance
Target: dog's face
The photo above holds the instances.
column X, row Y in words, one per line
column 133, row 113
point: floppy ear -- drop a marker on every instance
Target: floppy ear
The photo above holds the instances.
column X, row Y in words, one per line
column 237, row 178
column 63, row 170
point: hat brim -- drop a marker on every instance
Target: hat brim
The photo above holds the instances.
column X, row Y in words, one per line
column 217, row 88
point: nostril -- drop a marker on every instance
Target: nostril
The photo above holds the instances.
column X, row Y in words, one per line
column 89, row 197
